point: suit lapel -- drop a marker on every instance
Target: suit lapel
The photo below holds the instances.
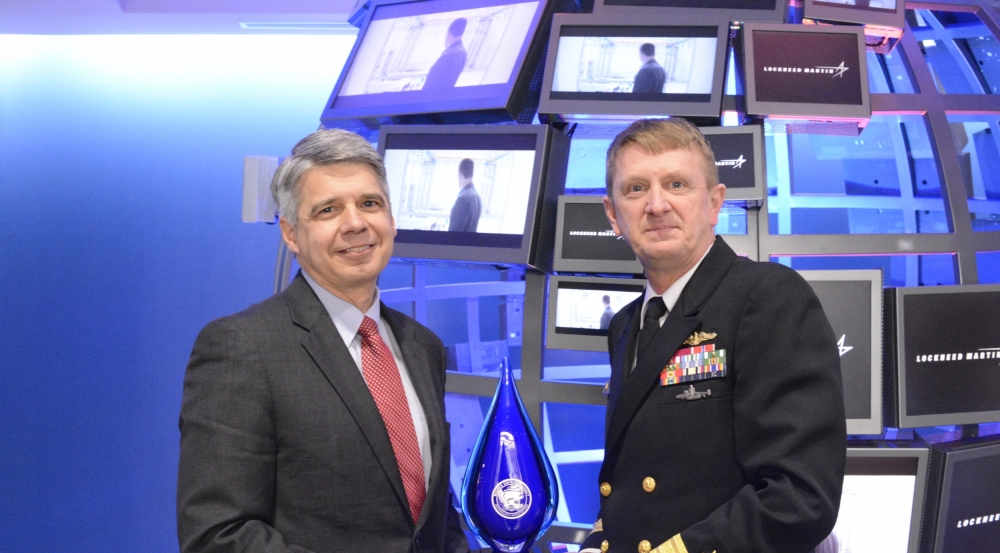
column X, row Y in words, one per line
column 328, row 351
column 680, row 323
column 625, row 346
column 422, row 378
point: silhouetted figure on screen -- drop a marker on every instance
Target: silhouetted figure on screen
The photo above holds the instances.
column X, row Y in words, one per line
column 608, row 313
column 449, row 65
column 651, row 75
column 468, row 206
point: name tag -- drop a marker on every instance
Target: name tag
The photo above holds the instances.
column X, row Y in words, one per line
column 691, row 364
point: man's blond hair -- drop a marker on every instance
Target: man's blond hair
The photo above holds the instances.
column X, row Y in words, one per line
column 655, row 136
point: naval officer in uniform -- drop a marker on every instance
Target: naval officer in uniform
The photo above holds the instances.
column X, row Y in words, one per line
column 725, row 421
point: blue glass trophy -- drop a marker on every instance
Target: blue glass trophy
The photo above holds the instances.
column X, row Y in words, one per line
column 509, row 496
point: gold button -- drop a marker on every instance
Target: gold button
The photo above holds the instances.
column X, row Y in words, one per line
column 648, row 484
column 644, row 547
column 605, row 489
column 604, row 546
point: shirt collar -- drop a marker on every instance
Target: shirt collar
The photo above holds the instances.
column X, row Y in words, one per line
column 673, row 293
column 346, row 317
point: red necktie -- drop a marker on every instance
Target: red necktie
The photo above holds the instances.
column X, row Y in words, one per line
column 386, row 387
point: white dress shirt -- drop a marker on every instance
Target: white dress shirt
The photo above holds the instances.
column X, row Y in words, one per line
column 348, row 318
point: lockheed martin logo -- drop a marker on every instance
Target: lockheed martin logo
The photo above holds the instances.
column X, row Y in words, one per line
column 734, row 163
column 839, row 70
column 840, row 346
column 835, row 71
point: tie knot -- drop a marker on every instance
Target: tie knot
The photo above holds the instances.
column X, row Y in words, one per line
column 655, row 308
column 368, row 330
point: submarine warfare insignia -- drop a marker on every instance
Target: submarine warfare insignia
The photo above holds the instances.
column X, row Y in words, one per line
column 699, row 337
column 690, row 394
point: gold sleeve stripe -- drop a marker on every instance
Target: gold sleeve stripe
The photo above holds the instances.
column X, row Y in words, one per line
column 673, row 545
column 598, row 527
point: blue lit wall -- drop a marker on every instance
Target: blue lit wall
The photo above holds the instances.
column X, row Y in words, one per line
column 120, row 178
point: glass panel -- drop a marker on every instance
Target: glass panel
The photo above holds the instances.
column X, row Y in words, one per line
column 979, row 157
column 954, row 20
column 732, row 220
column 988, row 265
column 466, row 414
column 889, row 73
column 897, row 270
column 983, row 53
column 586, row 163
column 478, row 328
column 960, row 51
column 952, row 74
column 573, row 436
column 583, row 367
column 884, row 181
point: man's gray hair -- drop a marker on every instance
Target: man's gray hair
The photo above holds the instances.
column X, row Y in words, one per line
column 323, row 147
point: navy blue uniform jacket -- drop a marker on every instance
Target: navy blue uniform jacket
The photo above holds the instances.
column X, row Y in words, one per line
column 757, row 466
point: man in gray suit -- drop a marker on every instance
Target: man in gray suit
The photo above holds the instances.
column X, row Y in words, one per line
column 314, row 420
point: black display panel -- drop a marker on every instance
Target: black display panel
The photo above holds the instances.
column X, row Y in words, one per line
column 469, row 193
column 798, row 71
column 881, row 502
column 852, row 303
column 579, row 310
column 799, row 68
column 739, row 157
column 739, row 10
column 438, row 57
column 585, row 242
column 619, row 66
column 949, row 355
column 968, row 519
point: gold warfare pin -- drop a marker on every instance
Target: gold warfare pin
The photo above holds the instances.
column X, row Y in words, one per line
column 698, row 337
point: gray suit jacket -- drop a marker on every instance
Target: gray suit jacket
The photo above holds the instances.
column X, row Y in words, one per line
column 282, row 446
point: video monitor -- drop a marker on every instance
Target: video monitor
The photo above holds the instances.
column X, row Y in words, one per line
column 881, row 502
column 474, row 193
column 947, row 355
column 967, row 516
column 441, row 56
column 885, row 13
column 585, row 242
column 580, row 310
column 739, row 157
column 737, row 10
column 621, row 66
column 806, row 72
column 852, row 301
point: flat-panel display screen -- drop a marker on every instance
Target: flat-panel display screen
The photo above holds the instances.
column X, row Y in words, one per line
column 460, row 189
column 970, row 517
column 807, row 68
column 635, row 63
column 807, row 71
column 877, row 505
column 447, row 54
column 739, row 158
column 950, row 355
column 585, row 241
column 887, row 6
column 624, row 66
column 587, row 308
column 580, row 310
column 711, row 4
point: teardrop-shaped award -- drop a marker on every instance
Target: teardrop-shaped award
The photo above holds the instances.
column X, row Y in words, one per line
column 509, row 495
